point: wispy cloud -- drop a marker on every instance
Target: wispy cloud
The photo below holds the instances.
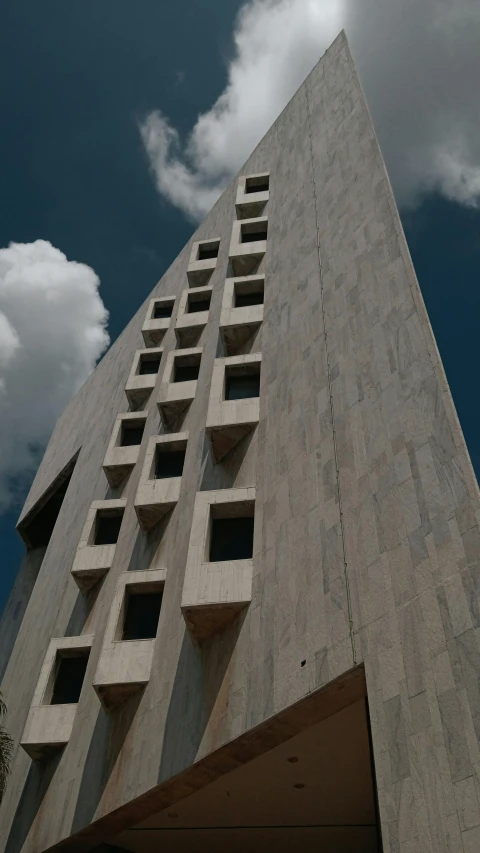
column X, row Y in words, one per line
column 419, row 63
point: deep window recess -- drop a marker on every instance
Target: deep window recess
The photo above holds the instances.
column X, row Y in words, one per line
column 186, row 370
column 253, row 233
column 142, row 611
column 241, row 386
column 169, row 463
column 231, row 539
column 107, row 527
column 131, row 433
column 69, row 679
column 37, row 532
column 244, row 299
column 257, row 185
column 195, row 305
column 148, row 364
column 162, row 309
column 207, row 251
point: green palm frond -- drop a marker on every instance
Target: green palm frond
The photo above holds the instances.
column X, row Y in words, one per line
column 6, row 751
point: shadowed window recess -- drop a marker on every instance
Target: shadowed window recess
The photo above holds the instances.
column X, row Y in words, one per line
column 142, row 612
column 162, row 310
column 69, row 677
column 194, row 304
column 242, row 383
column 186, row 368
column 37, row 528
column 206, row 251
column 231, row 539
column 253, row 232
column 257, row 185
column 149, row 364
column 132, row 433
column 169, row 463
column 252, row 297
column 107, row 527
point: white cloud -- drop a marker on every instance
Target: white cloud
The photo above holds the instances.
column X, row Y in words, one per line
column 52, row 330
column 419, row 64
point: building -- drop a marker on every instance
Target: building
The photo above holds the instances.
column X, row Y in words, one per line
column 248, row 615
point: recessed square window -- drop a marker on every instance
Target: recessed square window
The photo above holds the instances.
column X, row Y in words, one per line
column 206, row 251
column 69, row 677
column 161, row 310
column 142, row 612
column 257, row 185
column 231, row 539
column 195, row 305
column 148, row 364
column 248, row 293
column 242, row 383
column 107, row 527
column 253, row 232
column 169, row 463
column 131, row 433
column 186, row 369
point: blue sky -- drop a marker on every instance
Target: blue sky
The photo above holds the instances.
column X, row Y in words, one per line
column 77, row 79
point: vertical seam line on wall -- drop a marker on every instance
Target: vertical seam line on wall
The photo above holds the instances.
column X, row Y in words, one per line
column 329, row 383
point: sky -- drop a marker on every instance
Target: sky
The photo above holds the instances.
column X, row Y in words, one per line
column 122, row 122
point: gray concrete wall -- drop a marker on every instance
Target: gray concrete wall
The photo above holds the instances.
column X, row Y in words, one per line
column 366, row 542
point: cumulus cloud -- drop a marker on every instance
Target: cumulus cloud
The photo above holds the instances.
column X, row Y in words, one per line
column 419, row 63
column 52, row 331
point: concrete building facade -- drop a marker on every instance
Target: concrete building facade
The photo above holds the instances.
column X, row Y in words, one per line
column 248, row 614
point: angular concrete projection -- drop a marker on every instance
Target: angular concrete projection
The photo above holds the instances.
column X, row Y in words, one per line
column 203, row 260
column 49, row 726
column 252, row 195
column 143, row 375
column 124, row 666
column 156, row 494
column 248, row 244
column 238, row 323
column 157, row 320
column 214, row 593
column 190, row 321
column 176, row 393
column 122, row 455
column 92, row 560
column 228, row 421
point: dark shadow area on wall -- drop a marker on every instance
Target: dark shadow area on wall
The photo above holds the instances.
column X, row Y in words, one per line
column 82, row 608
column 107, row 740
column 36, row 530
column 36, row 785
column 147, row 545
column 223, row 474
column 199, row 698
column 17, row 603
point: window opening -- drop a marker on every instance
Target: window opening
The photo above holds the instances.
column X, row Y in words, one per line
column 241, row 386
column 142, row 612
column 162, row 309
column 169, row 463
column 257, row 185
column 186, row 370
column 244, row 299
column 207, row 251
column 69, row 679
column 148, row 364
column 195, row 305
column 231, row 539
column 107, row 527
column 131, row 434
column 253, row 232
